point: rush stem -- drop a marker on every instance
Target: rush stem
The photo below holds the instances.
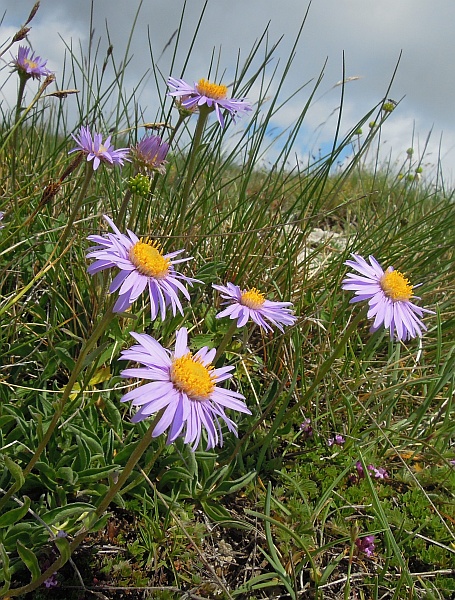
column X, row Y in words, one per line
column 200, row 125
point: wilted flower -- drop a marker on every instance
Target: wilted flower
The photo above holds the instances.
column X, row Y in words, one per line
column 388, row 294
column 251, row 303
column 210, row 94
column 150, row 153
column 185, row 386
column 96, row 150
column 338, row 440
column 30, row 66
column 142, row 264
column 183, row 111
column 366, row 545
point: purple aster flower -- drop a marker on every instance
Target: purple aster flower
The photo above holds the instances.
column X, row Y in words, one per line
column 210, row 94
column 185, row 386
column 388, row 294
column 338, row 440
column 142, row 265
column 247, row 304
column 150, row 153
column 30, row 66
column 366, row 545
column 98, row 151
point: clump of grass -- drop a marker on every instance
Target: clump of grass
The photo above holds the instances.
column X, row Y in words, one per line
column 282, row 508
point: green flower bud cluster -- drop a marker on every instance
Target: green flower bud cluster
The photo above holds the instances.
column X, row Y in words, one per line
column 140, row 185
column 388, row 107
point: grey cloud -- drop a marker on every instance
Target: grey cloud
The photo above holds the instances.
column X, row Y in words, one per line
column 371, row 34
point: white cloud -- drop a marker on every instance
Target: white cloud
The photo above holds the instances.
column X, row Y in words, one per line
column 371, row 35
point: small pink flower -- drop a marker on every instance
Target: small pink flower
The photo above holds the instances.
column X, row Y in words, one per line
column 366, row 545
column 338, row 440
column 306, row 428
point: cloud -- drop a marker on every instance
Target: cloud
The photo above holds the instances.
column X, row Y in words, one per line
column 365, row 37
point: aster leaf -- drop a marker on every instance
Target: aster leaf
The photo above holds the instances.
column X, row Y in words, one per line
column 29, row 559
column 16, row 514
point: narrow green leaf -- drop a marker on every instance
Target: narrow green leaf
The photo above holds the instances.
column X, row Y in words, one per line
column 6, row 573
column 15, row 471
column 64, row 548
column 58, row 515
column 96, row 474
column 14, row 515
column 29, row 559
column 230, row 487
column 216, row 512
column 82, row 461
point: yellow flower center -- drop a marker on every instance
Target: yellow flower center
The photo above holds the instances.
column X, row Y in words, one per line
column 148, row 259
column 252, row 298
column 211, row 90
column 193, row 378
column 395, row 285
column 30, row 63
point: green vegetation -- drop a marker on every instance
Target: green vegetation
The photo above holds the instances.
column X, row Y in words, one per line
column 279, row 512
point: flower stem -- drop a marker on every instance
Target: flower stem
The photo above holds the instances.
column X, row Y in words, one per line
column 225, row 341
column 49, row 79
column 181, row 120
column 123, row 207
column 83, row 190
column 200, row 125
column 142, row 446
column 20, row 95
column 146, row 470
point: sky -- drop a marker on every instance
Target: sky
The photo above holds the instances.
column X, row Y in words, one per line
column 371, row 37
